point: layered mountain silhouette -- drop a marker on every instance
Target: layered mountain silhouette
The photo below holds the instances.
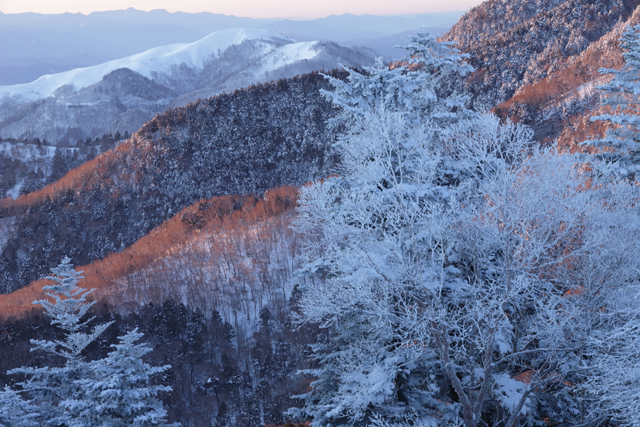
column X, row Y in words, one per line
column 246, row 142
column 121, row 95
column 37, row 44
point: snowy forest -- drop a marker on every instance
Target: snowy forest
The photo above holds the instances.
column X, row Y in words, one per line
column 392, row 252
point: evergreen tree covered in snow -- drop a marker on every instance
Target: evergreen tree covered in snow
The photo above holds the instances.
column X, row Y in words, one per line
column 14, row 411
column 458, row 262
column 55, row 389
column 115, row 391
column 621, row 145
column 121, row 391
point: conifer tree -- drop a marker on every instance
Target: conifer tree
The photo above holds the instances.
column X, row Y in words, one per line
column 620, row 148
column 15, row 411
column 122, row 391
column 54, row 389
column 116, row 391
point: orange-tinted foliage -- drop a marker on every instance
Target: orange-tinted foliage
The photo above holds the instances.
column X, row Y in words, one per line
column 524, row 377
column 578, row 71
column 206, row 217
column 574, row 77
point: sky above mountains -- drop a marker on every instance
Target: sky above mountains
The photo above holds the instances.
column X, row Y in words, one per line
column 248, row 8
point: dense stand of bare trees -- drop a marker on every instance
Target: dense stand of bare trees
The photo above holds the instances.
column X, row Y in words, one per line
column 233, row 254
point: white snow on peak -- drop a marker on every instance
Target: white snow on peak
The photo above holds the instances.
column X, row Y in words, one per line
column 158, row 60
column 285, row 55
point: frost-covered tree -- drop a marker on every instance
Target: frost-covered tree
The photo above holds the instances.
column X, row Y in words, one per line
column 611, row 383
column 115, row 391
column 15, row 411
column 565, row 242
column 613, row 386
column 428, row 91
column 620, row 147
column 458, row 264
column 122, row 391
column 52, row 387
column 389, row 151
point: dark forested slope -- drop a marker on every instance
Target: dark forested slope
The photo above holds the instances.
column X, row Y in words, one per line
column 213, row 378
column 245, row 142
column 517, row 43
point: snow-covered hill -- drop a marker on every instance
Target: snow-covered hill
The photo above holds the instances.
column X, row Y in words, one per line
column 154, row 63
column 87, row 102
column 243, row 142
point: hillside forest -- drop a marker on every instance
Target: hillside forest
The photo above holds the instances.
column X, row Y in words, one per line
column 446, row 240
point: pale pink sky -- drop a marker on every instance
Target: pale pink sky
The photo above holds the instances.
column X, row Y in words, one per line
column 246, row 8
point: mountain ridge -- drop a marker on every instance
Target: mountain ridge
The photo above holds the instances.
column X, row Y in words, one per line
column 152, row 63
column 81, row 104
column 520, row 49
column 246, row 142
column 42, row 44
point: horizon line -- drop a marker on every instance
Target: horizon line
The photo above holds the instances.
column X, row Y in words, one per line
column 404, row 15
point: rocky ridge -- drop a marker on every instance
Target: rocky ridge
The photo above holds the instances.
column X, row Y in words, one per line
column 513, row 44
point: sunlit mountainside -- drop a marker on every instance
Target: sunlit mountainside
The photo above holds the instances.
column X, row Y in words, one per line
column 540, row 66
column 516, row 44
column 229, row 253
column 66, row 119
column 247, row 142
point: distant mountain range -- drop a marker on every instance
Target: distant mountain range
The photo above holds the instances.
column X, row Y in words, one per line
column 36, row 44
column 119, row 96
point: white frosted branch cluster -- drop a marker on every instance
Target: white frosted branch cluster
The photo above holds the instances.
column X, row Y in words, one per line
column 463, row 271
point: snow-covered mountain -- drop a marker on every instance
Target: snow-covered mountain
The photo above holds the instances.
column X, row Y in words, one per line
column 35, row 44
column 515, row 44
column 162, row 63
column 120, row 95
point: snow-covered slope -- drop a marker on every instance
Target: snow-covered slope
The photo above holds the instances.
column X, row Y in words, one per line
column 120, row 95
column 152, row 63
column 287, row 55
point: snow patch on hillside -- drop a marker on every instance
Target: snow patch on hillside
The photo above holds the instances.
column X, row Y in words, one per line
column 6, row 228
column 286, row 55
column 160, row 60
column 27, row 152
